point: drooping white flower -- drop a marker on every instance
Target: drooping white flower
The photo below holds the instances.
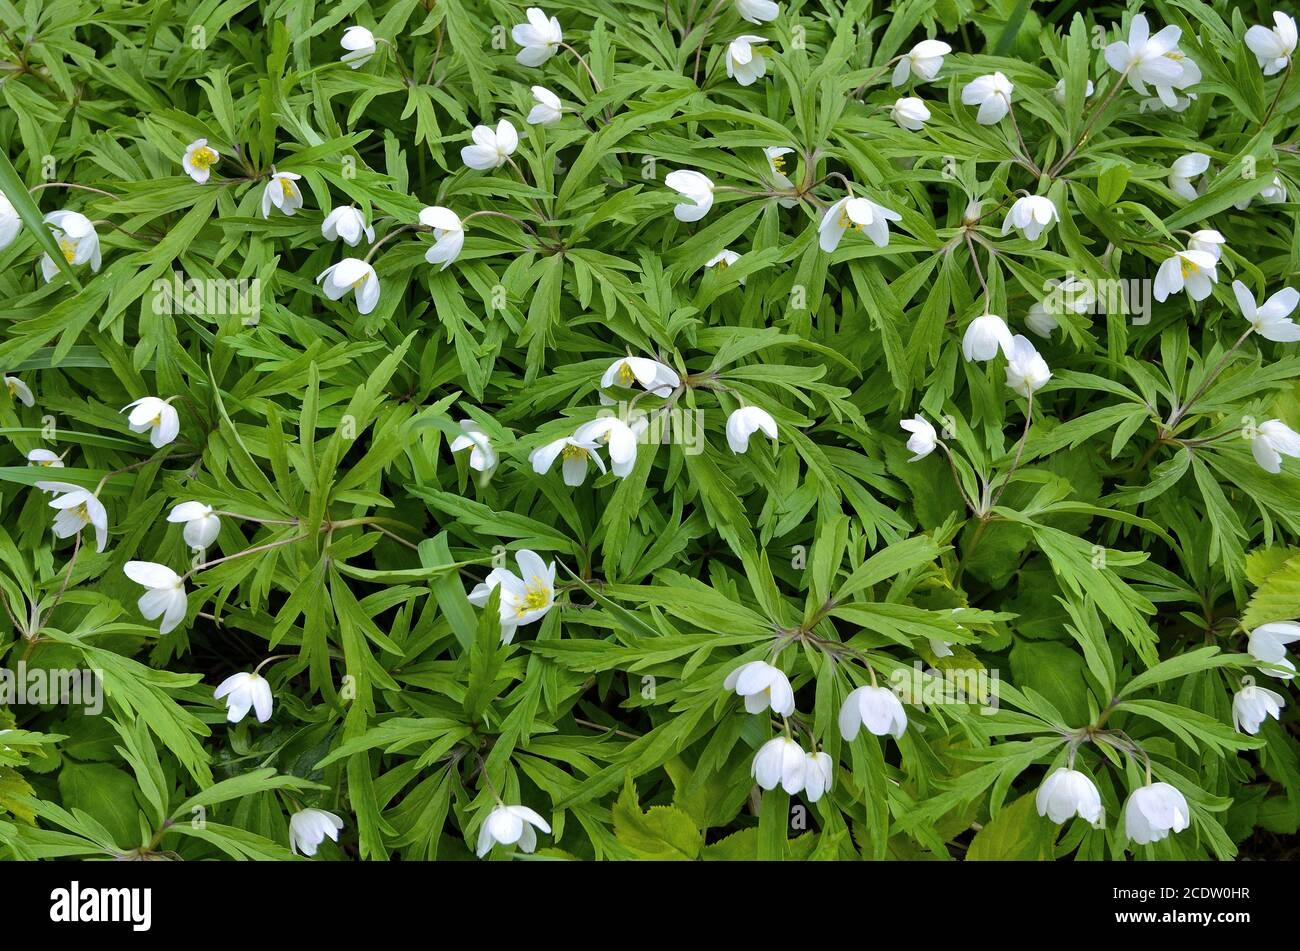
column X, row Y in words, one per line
column 20, row 391
column 1273, row 194
column 941, row 648
column 490, row 149
column 744, row 422
column 923, row 61
column 202, row 525
column 910, row 113
column 1058, row 93
column 876, row 707
column 482, row 456
column 984, row 337
column 696, row 188
column 818, row 775
column 1027, row 371
column 576, row 453
column 757, row 11
column 78, row 508
column 448, row 235
column 775, row 156
column 348, row 225
column 282, row 192
column 762, row 686
column 77, row 240
column 923, row 440
column 1192, row 271
column 1185, row 168
column 723, row 260
column 540, row 38
column 511, row 825
column 525, row 597
column 744, row 63
column 1274, row 439
column 619, row 439
column 1252, row 705
column 165, row 597
column 1067, row 793
column 652, row 375
column 198, row 160
column 360, row 45
column 1272, row 320
column 780, row 762
column 351, row 274
column 1153, row 811
column 1071, row 294
column 1207, row 240
column 1273, row 48
column 1030, row 215
column 45, row 459
column 1143, row 57
column 243, row 692
column 308, row 828
column 10, row 222
column 1267, row 644
column 154, row 416
column 992, row 94
column 546, row 107
column 862, row 214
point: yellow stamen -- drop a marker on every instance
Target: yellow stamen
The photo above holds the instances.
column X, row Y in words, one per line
column 286, row 186
column 1189, row 267
column 846, row 222
column 203, row 158
column 537, row 594
column 778, row 163
column 625, row 374
column 359, row 281
column 69, row 249
column 573, row 452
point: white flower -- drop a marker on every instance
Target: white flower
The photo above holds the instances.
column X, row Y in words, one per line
column 575, row 453
column 1273, row 194
column 490, row 149
column 984, row 337
column 165, row 596
column 539, row 37
column 10, row 222
column 1267, row 644
column 744, row 422
column 654, row 376
column 360, row 45
column 776, row 163
column 351, row 274
column 619, row 438
column 448, row 235
column 1193, row 271
column 1272, row 320
column 941, row 648
column 525, row 597
column 1066, row 793
column 876, row 707
column 1273, row 440
column 724, row 259
column 201, row 523
column 45, row 459
column 1179, row 104
column 508, row 825
column 1027, row 371
column 992, row 94
column 547, row 109
column 923, row 440
column 77, row 240
column 782, row 762
column 1030, row 215
column 757, row 11
column 694, row 187
column 817, row 775
column 78, row 508
column 762, row 686
column 198, row 160
column 346, row 224
column 910, row 113
column 1253, row 705
column 1144, row 57
column 482, row 456
column 245, row 691
column 1058, row 93
column 1152, row 812
column 1273, row 48
column 924, row 61
column 281, row 192
column 154, row 416
column 1207, row 240
column 860, row 213
column 1184, row 169
column 1071, row 294
column 308, row 828
column 745, row 64
column 20, row 391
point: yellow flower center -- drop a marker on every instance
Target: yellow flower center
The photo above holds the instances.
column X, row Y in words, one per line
column 536, row 596
column 13, row 387
column 1189, row 267
column 778, row 163
column 722, row 263
column 573, row 452
column 359, row 281
column 286, row 186
column 625, row 374
column 69, row 249
column 82, row 513
column 203, row 158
